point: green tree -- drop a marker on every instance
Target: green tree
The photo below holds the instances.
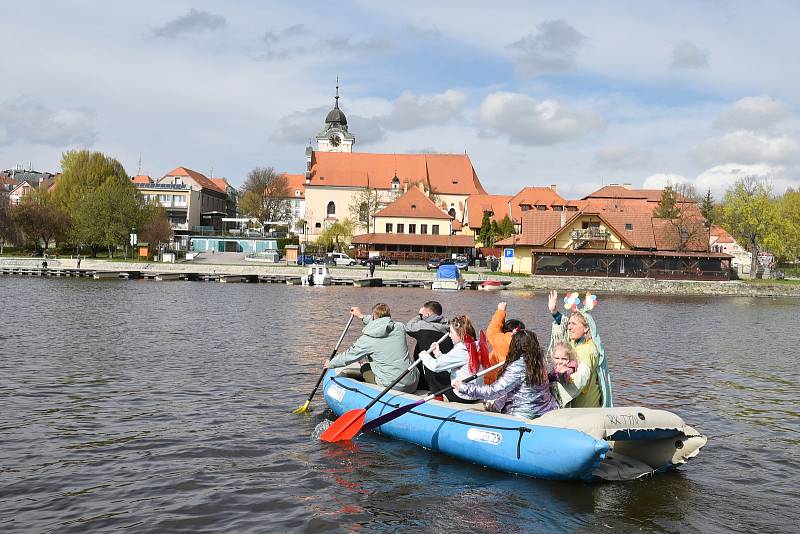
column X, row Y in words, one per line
column 40, row 218
column 265, row 195
column 494, row 234
column 708, row 208
column 666, row 205
column 784, row 240
column 336, row 235
column 484, row 236
column 750, row 215
column 507, row 226
column 365, row 204
column 9, row 230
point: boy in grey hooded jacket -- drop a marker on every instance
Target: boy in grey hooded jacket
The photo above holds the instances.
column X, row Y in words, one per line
column 383, row 343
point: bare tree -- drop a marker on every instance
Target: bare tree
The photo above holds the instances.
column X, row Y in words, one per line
column 266, row 195
column 679, row 206
column 9, row 231
column 366, row 203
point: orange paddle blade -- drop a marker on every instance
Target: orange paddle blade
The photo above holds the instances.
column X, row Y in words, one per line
column 347, row 426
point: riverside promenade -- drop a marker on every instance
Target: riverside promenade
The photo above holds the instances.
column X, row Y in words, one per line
column 228, row 269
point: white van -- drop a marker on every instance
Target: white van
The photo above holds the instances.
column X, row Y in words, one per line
column 340, row 258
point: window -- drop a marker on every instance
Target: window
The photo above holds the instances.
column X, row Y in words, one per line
column 178, row 181
column 628, row 226
column 318, row 225
column 179, row 200
column 296, row 203
column 452, row 212
column 541, row 207
column 363, row 213
column 389, row 228
column 412, row 228
column 401, row 228
column 423, row 228
column 331, row 211
column 435, row 229
column 165, row 199
column 297, row 213
column 297, row 192
column 525, row 207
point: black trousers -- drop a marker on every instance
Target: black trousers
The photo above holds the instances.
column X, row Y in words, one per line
column 441, row 380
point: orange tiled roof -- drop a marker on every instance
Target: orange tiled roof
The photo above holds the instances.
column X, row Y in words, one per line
column 415, row 239
column 221, row 183
column 141, row 179
column 615, row 191
column 201, row 179
column 443, row 173
column 296, row 182
column 721, row 234
column 413, row 203
column 478, row 204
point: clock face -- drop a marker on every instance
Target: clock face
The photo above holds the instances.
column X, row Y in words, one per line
column 335, row 140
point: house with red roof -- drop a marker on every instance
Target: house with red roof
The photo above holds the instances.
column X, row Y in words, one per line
column 413, row 229
column 296, row 197
column 614, row 236
column 194, row 202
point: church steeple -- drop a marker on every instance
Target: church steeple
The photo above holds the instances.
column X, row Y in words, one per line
column 334, row 136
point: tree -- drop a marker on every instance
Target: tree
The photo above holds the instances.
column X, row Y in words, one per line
column 266, row 195
column 708, row 208
column 507, row 226
column 485, row 234
column 750, row 215
column 154, row 226
column 40, row 219
column 666, row 205
column 784, row 240
column 9, row 231
column 364, row 206
column 496, row 232
column 336, row 235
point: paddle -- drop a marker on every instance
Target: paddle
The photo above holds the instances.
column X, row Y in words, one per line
column 394, row 414
column 305, row 408
column 350, row 423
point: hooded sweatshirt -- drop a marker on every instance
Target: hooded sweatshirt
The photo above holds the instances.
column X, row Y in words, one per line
column 426, row 330
column 383, row 343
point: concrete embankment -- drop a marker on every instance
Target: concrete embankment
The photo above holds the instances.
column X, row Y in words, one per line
column 533, row 283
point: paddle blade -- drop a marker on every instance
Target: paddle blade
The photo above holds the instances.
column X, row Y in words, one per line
column 483, row 349
column 394, row 414
column 305, row 408
column 347, row 426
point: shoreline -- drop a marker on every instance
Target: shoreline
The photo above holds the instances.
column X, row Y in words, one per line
column 633, row 286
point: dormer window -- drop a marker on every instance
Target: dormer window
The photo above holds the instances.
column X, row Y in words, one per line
column 178, row 181
column 413, row 206
column 297, row 192
column 628, row 226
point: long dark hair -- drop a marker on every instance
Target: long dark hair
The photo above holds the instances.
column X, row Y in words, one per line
column 525, row 345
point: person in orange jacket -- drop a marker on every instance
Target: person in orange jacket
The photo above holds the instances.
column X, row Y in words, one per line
column 499, row 334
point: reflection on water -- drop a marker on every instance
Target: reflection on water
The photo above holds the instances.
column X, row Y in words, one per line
column 168, row 407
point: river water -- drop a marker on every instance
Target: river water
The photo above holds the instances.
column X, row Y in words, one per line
column 153, row 407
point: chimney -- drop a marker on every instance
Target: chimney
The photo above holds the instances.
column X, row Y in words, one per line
column 563, row 218
column 553, row 187
column 308, row 177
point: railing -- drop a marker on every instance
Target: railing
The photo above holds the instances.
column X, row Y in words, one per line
column 590, row 233
column 162, row 186
column 179, row 226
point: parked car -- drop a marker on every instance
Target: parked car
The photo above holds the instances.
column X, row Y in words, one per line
column 305, row 259
column 379, row 260
column 462, row 262
column 37, row 254
column 433, row 263
column 340, row 258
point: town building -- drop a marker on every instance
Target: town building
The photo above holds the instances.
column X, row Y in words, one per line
column 19, row 182
column 413, row 229
column 296, row 199
column 614, row 236
column 513, row 206
column 194, row 203
column 336, row 177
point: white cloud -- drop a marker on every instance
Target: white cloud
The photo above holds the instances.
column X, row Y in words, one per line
column 552, row 49
column 303, row 126
column 192, row 22
column 535, row 122
column 720, row 177
column 687, row 55
column 748, row 147
column 412, row 111
column 753, row 113
column 660, row 181
column 29, row 120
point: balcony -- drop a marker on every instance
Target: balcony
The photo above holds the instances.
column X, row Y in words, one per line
column 590, row 234
column 179, row 226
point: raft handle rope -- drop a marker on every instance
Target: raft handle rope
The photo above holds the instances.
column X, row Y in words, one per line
column 452, row 418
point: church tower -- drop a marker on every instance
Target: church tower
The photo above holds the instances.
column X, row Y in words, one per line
column 334, row 136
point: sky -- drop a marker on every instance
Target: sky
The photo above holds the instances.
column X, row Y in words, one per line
column 578, row 94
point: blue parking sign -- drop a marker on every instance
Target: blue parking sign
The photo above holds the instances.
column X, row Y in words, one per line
column 508, row 252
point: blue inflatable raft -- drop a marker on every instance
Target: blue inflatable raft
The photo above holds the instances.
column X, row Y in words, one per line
column 574, row 443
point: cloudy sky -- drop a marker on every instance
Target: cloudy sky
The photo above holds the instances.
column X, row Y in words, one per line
column 578, row 94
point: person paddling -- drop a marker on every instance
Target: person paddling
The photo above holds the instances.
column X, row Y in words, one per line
column 383, row 345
